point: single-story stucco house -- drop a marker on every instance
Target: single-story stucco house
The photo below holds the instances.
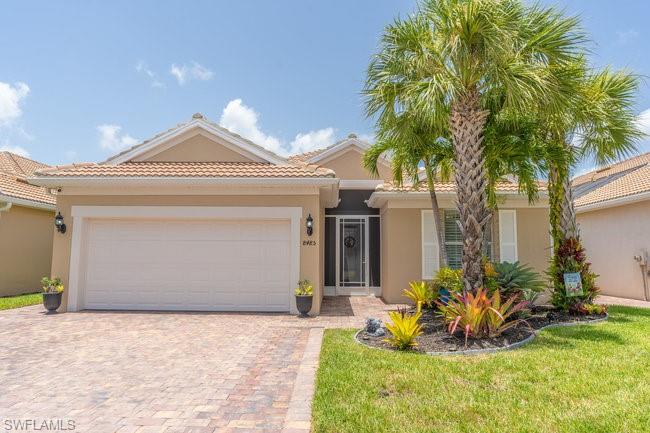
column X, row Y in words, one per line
column 26, row 226
column 199, row 218
column 613, row 209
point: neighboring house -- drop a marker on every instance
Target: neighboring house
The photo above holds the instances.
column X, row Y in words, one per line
column 613, row 208
column 198, row 218
column 26, row 226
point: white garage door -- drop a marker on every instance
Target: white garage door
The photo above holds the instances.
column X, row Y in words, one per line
column 208, row 265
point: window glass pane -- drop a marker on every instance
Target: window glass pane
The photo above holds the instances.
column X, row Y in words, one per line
column 330, row 251
column 454, row 239
column 374, row 250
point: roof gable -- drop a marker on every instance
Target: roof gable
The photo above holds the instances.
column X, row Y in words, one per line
column 346, row 159
column 199, row 125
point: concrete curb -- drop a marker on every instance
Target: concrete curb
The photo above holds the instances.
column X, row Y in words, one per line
column 512, row 346
column 298, row 417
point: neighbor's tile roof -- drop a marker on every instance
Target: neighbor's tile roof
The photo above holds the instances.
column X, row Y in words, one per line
column 447, row 187
column 619, row 180
column 188, row 169
column 14, row 169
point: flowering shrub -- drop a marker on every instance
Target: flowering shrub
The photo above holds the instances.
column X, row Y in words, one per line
column 570, row 257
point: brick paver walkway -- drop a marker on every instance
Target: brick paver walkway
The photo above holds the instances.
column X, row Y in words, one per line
column 166, row 372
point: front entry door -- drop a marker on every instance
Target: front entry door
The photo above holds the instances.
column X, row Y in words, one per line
column 353, row 256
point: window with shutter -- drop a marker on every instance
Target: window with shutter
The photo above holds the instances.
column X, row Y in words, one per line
column 454, row 239
column 430, row 250
column 508, row 235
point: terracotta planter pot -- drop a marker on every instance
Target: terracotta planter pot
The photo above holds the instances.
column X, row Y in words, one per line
column 303, row 304
column 52, row 301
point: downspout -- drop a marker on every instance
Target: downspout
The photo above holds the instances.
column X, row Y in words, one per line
column 642, row 259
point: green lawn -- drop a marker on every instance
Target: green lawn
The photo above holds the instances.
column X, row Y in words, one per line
column 589, row 378
column 8, row 302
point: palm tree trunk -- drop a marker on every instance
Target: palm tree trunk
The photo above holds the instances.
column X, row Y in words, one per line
column 568, row 220
column 467, row 125
column 554, row 199
column 442, row 251
column 563, row 214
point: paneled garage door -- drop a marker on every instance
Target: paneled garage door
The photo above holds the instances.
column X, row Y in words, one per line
column 207, row 265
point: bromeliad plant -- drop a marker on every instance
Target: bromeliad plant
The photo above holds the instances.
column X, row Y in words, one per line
column 449, row 279
column 421, row 293
column 479, row 315
column 404, row 329
column 515, row 279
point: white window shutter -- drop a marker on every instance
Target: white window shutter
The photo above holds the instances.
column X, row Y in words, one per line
column 430, row 250
column 508, row 235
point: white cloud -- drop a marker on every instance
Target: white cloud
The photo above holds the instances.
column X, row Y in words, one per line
column 193, row 71
column 643, row 120
column 368, row 138
column 10, row 99
column 142, row 68
column 305, row 142
column 242, row 120
column 111, row 139
column 14, row 149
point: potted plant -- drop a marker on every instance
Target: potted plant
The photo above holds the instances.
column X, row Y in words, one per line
column 52, row 293
column 304, row 297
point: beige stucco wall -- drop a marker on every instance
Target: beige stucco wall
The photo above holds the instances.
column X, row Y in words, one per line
column 534, row 238
column 612, row 237
column 25, row 249
column 349, row 165
column 199, row 148
column 401, row 254
column 310, row 255
column 401, row 251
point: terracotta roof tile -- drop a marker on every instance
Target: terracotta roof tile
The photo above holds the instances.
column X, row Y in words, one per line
column 610, row 170
column 446, row 187
column 17, row 165
column 13, row 171
column 623, row 179
column 188, row 169
column 303, row 157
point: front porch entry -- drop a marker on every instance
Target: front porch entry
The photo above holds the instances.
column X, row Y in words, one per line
column 352, row 242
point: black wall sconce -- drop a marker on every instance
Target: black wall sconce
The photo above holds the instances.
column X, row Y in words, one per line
column 58, row 223
column 309, row 223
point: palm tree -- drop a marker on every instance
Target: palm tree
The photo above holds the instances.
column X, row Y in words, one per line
column 600, row 125
column 416, row 146
column 454, row 59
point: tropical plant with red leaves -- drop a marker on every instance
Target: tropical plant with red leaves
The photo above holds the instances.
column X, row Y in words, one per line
column 570, row 257
column 479, row 315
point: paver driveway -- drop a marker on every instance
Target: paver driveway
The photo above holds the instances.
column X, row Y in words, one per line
column 164, row 372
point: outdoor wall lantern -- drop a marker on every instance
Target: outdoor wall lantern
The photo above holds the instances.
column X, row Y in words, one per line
column 309, row 223
column 58, row 223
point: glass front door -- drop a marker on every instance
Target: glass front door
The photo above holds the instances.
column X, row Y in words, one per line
column 352, row 253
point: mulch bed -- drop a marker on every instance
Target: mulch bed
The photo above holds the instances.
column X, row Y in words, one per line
column 435, row 337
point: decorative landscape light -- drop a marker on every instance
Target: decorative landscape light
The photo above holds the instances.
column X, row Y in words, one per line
column 58, row 223
column 309, row 223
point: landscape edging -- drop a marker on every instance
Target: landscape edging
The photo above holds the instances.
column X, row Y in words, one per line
column 518, row 344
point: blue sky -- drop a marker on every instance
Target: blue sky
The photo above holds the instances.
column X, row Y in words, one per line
column 80, row 80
